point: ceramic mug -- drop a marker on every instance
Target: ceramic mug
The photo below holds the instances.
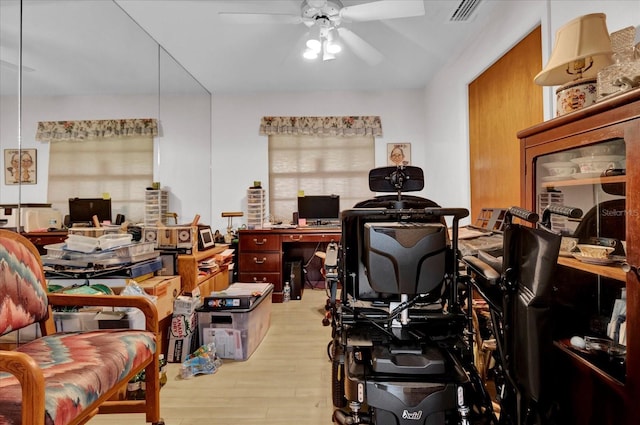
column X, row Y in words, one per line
column 568, row 244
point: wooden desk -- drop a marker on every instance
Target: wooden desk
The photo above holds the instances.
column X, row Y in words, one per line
column 40, row 239
column 262, row 254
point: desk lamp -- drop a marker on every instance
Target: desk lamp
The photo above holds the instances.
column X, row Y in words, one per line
column 228, row 238
column 582, row 48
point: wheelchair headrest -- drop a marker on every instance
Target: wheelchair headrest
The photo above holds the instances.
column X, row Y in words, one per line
column 396, row 179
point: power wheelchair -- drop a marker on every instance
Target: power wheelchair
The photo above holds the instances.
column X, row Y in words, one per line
column 401, row 347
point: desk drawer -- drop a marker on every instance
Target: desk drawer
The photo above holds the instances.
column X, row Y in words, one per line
column 315, row 237
column 259, row 261
column 259, row 242
column 274, row 278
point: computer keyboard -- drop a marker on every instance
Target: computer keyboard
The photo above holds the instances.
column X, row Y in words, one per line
column 323, row 225
column 283, row 226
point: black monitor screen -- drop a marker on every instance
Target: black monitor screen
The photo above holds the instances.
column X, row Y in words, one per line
column 81, row 210
column 319, row 207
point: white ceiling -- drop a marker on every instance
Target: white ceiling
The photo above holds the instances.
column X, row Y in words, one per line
column 87, row 47
column 230, row 57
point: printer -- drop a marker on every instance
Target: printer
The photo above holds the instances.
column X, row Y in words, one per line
column 33, row 217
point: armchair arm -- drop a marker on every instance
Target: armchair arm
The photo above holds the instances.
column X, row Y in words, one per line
column 147, row 307
column 28, row 373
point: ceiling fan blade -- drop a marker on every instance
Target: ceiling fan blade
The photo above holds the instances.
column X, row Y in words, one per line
column 260, row 18
column 361, row 48
column 383, row 9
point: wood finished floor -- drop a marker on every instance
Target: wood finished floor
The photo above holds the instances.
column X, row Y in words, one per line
column 286, row 381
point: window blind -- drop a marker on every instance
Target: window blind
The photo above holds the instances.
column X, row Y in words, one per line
column 121, row 167
column 318, row 165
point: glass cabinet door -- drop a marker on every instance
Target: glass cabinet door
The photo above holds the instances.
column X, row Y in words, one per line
column 590, row 294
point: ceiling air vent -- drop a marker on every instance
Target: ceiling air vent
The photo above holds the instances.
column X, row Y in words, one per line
column 464, row 10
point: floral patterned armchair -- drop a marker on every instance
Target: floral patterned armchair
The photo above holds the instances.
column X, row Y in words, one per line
column 67, row 378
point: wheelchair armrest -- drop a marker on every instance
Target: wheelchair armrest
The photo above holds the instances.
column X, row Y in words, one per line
column 482, row 270
column 494, row 262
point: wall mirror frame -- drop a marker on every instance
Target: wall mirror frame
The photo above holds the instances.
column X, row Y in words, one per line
column 88, row 60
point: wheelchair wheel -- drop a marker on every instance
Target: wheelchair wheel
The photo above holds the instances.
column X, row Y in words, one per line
column 337, row 377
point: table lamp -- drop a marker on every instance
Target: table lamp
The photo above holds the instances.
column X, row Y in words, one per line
column 228, row 238
column 582, row 48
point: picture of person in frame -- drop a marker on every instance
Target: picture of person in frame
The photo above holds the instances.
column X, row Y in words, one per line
column 398, row 154
column 20, row 166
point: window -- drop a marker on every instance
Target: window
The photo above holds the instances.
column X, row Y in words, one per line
column 121, row 167
column 88, row 159
column 318, row 165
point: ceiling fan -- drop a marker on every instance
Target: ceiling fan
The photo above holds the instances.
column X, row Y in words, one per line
column 324, row 18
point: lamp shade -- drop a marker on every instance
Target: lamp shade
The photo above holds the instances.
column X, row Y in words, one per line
column 584, row 38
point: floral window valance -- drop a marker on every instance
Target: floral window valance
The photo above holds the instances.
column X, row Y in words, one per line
column 321, row 126
column 51, row 131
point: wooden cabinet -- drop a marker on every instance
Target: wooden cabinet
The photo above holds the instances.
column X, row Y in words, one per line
column 195, row 271
column 262, row 253
column 260, row 258
column 565, row 160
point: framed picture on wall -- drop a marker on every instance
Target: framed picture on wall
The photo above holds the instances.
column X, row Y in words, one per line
column 20, row 166
column 398, row 154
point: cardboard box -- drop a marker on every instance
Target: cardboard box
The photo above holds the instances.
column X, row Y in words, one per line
column 166, row 288
column 184, row 304
column 183, row 339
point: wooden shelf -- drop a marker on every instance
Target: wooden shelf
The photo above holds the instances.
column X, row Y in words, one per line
column 612, row 272
column 189, row 270
column 585, row 182
column 613, row 383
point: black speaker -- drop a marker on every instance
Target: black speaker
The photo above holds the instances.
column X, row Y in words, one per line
column 293, row 274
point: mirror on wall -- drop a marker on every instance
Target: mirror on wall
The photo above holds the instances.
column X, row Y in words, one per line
column 185, row 116
column 88, row 60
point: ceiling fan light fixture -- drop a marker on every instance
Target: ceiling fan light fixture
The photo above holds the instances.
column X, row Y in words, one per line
column 326, row 56
column 313, row 44
column 332, row 47
column 310, row 54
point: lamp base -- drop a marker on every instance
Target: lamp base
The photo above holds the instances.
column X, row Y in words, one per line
column 575, row 95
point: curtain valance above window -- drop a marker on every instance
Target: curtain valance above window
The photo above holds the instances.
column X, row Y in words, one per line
column 51, row 131
column 321, row 126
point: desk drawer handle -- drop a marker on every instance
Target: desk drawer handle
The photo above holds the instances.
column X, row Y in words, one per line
column 295, row 237
column 255, row 260
column 255, row 279
column 262, row 242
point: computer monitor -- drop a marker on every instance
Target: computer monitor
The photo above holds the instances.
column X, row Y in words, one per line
column 319, row 208
column 82, row 210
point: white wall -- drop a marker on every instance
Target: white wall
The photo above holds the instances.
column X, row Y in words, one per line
column 240, row 153
column 59, row 108
column 182, row 151
column 434, row 121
